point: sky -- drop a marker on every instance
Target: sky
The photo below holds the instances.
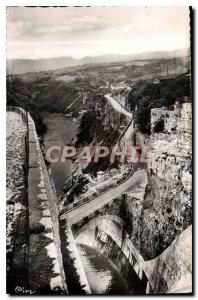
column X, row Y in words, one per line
column 36, row 32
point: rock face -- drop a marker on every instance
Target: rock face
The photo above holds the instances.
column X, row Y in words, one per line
column 171, row 272
column 120, row 93
column 177, row 120
column 166, row 210
column 113, row 118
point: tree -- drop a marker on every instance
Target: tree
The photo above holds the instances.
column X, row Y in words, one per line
column 144, row 115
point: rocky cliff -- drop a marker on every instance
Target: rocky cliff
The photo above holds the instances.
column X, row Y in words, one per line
column 166, row 208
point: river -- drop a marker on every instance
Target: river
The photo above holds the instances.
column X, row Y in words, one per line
column 102, row 274
column 60, row 130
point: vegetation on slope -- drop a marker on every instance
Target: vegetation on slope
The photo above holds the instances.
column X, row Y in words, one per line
column 38, row 97
column 147, row 96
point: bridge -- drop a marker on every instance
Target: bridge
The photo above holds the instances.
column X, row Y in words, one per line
column 136, row 183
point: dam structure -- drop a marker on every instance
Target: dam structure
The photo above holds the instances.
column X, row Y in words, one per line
column 43, row 253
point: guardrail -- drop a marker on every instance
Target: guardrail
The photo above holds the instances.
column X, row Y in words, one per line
column 84, row 201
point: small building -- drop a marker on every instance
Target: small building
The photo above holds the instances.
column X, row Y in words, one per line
column 100, row 176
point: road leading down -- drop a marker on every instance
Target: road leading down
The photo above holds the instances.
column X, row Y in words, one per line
column 136, row 184
column 117, row 106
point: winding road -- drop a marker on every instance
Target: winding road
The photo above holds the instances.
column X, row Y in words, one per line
column 136, row 184
column 117, row 106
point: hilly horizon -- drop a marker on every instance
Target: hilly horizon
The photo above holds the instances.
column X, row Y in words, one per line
column 21, row 66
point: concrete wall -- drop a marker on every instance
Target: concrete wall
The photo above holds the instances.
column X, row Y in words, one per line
column 178, row 120
column 105, row 234
column 123, row 257
column 44, row 258
column 170, row 272
column 20, row 111
column 46, row 272
column 75, row 276
column 17, row 235
column 45, row 232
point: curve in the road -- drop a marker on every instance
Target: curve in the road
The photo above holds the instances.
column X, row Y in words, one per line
column 117, row 106
column 136, row 183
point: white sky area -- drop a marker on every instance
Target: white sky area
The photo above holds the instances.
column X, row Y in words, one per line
column 36, row 32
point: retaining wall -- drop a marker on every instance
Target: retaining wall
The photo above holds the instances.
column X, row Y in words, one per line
column 45, row 260
column 46, row 272
column 45, row 231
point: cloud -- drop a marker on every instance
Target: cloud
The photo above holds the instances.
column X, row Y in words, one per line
column 99, row 24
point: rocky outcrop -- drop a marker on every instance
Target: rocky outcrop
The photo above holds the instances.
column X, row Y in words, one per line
column 171, row 272
column 167, row 206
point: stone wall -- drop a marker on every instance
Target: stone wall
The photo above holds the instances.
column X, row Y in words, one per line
column 47, row 271
column 123, row 254
column 17, row 234
column 178, row 120
column 112, row 207
column 42, row 258
column 75, row 276
column 167, row 206
column 169, row 272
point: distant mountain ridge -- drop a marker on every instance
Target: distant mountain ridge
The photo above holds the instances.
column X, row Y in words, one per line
column 20, row 66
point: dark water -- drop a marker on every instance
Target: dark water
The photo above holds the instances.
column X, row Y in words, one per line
column 60, row 130
column 102, row 274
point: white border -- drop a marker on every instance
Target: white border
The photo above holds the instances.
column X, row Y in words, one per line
column 97, row 3
column 3, row 4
